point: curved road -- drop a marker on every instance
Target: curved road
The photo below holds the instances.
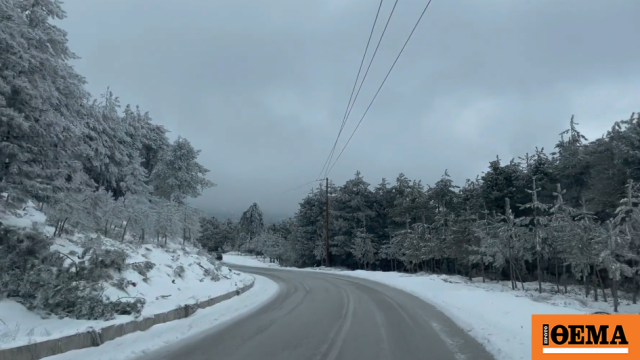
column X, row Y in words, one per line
column 320, row 316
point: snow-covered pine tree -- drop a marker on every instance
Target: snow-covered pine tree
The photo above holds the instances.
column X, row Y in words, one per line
column 178, row 175
column 42, row 102
column 307, row 232
column 561, row 229
column 537, row 222
column 364, row 249
column 351, row 210
column 614, row 243
column 251, row 225
column 571, row 165
column 167, row 220
column 207, row 237
column 382, row 200
column 584, row 250
column 190, row 222
column 228, row 234
column 153, row 140
column 270, row 245
column 390, row 251
column 511, row 244
column 611, row 163
column 114, row 162
column 407, row 254
column 401, row 212
column 135, row 209
column 443, row 195
column 628, row 219
column 464, row 234
column 421, row 245
column 486, row 248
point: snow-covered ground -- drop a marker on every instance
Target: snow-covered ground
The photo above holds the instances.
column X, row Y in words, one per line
column 500, row 318
column 162, row 288
column 171, row 333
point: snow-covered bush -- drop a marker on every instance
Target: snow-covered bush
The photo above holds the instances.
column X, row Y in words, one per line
column 179, row 271
column 54, row 283
column 142, row 267
column 122, row 283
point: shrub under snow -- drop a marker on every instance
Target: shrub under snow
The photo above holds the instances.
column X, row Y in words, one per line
column 57, row 284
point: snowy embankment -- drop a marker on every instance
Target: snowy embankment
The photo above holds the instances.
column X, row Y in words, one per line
column 170, row 334
column 166, row 277
column 493, row 313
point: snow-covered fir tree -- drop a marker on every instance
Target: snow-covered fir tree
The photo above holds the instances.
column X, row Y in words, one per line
column 250, row 226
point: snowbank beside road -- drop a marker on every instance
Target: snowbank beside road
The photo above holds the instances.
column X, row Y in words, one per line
column 500, row 318
column 166, row 277
column 246, row 260
column 166, row 336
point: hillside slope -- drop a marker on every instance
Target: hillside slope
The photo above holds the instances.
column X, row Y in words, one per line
column 87, row 281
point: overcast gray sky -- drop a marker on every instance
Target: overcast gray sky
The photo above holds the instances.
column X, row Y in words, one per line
column 261, row 86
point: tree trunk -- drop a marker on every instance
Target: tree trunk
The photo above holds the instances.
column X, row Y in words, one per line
column 62, row 226
column 512, row 277
column 614, row 294
column 124, row 231
column 594, row 280
column 564, row 277
column 539, row 271
column 585, row 278
column 604, row 294
column 519, row 278
column 557, row 277
column 184, row 229
column 635, row 285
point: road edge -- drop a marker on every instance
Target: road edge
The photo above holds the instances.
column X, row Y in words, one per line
column 97, row 337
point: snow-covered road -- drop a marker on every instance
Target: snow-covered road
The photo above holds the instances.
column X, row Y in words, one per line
column 498, row 317
column 321, row 316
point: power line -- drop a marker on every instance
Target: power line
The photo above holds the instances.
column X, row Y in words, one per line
column 381, row 85
column 301, row 186
column 364, row 77
column 355, row 83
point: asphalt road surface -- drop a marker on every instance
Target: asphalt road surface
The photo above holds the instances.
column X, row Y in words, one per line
column 319, row 316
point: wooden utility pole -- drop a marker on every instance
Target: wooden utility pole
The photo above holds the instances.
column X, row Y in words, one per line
column 326, row 225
